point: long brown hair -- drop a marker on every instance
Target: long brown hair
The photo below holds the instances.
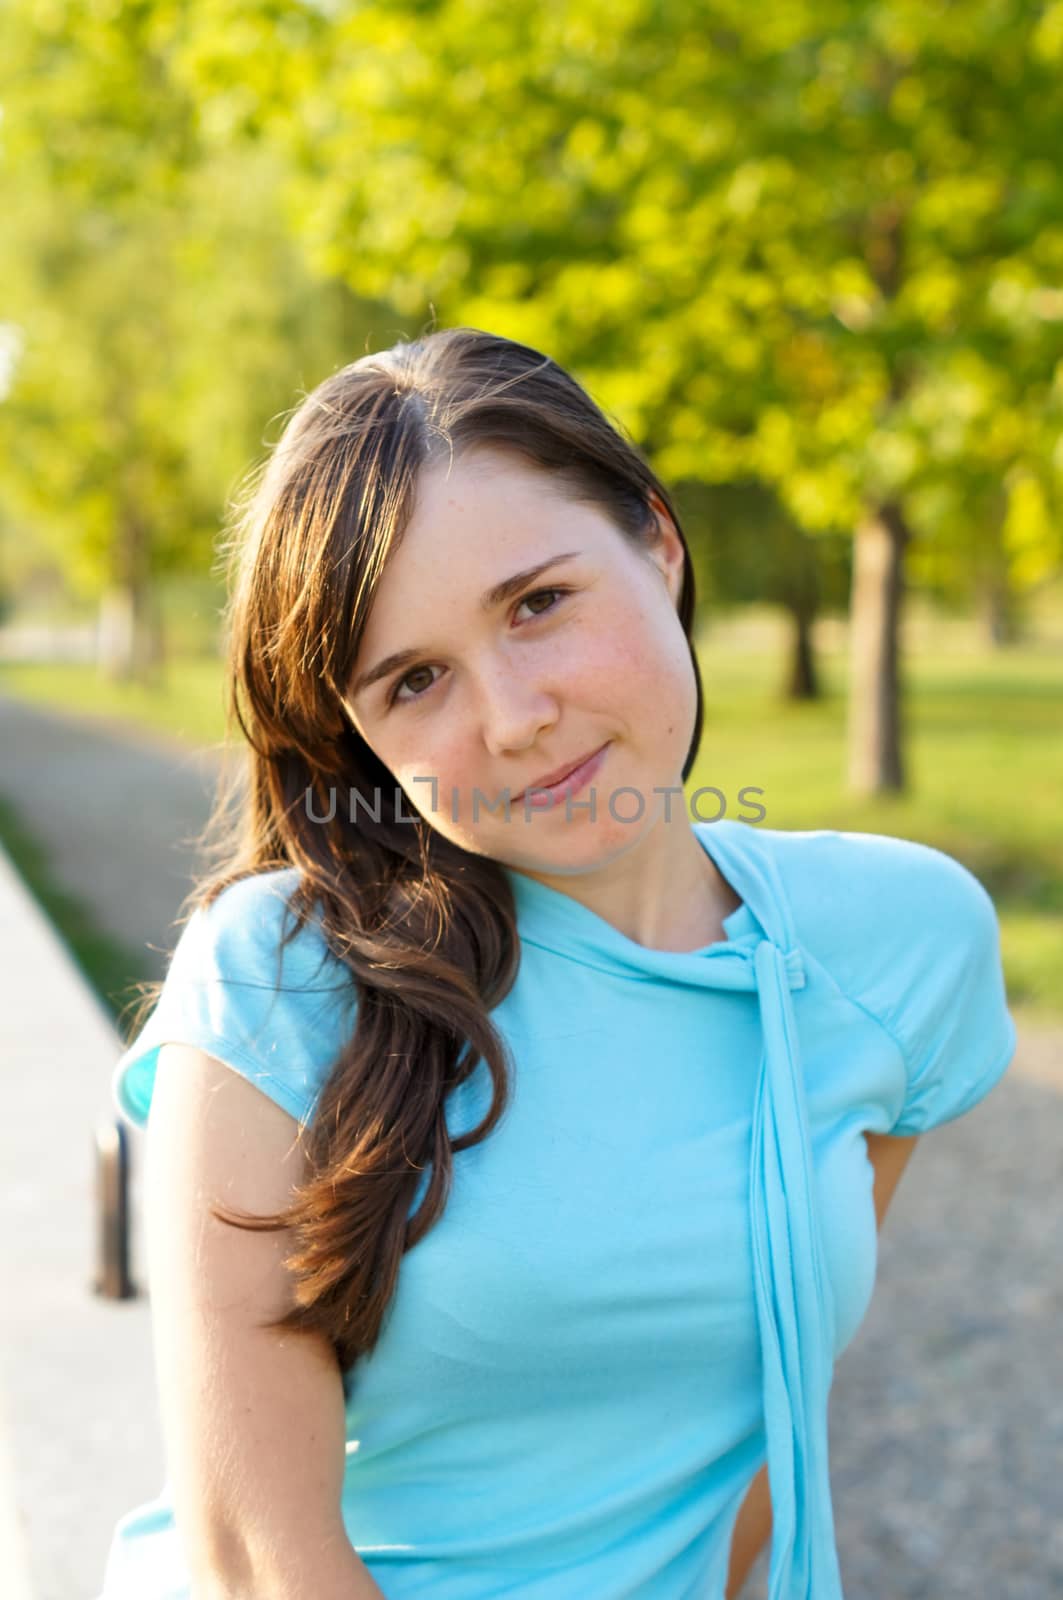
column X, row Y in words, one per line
column 426, row 929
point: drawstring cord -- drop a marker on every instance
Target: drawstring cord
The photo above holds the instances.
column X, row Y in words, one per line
column 795, row 1307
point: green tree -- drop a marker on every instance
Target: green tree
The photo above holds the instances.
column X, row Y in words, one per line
column 815, row 245
column 162, row 313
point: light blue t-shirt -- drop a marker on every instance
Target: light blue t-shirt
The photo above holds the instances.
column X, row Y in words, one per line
column 643, row 1277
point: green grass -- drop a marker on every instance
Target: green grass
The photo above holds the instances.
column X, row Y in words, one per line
column 185, row 704
column 984, row 752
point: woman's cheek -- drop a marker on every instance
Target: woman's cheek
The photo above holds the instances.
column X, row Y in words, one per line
column 597, row 658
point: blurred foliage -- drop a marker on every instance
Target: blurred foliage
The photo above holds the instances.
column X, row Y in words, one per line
column 818, row 244
column 813, row 247
column 758, row 552
column 160, row 314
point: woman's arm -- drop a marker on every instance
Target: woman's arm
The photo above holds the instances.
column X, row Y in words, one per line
column 253, row 1418
column 751, row 1531
column 888, row 1156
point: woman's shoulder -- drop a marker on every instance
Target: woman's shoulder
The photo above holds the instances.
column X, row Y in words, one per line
column 878, row 911
column 256, row 900
column 247, row 953
column 911, row 935
column 849, row 883
column 250, row 922
column 253, row 986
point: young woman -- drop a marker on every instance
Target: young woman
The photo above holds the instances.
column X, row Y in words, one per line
column 567, row 1117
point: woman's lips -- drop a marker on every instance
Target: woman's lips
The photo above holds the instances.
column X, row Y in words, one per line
column 544, row 799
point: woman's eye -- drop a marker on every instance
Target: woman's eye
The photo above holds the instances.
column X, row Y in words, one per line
column 537, row 594
column 395, row 698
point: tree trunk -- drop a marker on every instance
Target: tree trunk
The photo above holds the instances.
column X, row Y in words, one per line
column 803, row 682
column 874, row 733
column 130, row 636
column 800, row 591
column 114, row 633
column 1000, row 617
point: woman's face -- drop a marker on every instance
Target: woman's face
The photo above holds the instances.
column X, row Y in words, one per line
column 589, row 652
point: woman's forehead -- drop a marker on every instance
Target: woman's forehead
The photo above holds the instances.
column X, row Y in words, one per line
column 468, row 536
column 484, row 479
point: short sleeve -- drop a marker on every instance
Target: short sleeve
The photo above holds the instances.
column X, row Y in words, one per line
column 279, row 1018
column 951, row 1017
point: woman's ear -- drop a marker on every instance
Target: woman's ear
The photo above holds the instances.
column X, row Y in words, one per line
column 668, row 554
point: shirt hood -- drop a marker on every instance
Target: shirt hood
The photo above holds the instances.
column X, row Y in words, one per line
column 553, row 920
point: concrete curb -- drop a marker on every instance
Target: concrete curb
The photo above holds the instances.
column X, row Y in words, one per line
column 14, row 1540
column 79, row 1433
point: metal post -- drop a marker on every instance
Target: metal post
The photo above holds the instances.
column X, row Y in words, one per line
column 112, row 1211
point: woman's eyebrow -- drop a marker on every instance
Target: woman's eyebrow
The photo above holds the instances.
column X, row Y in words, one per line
column 491, row 598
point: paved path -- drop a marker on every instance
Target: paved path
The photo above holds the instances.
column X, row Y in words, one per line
column 77, row 1404
column 115, row 810
column 79, row 1431
column 947, row 1407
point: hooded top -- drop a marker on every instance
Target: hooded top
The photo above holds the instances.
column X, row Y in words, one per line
column 643, row 1277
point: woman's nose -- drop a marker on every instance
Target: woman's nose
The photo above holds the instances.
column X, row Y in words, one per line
column 515, row 708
